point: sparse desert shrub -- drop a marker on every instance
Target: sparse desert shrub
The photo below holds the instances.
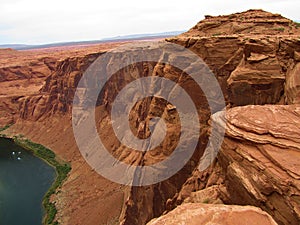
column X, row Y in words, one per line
column 281, row 29
column 206, row 201
column 216, row 34
column 5, row 127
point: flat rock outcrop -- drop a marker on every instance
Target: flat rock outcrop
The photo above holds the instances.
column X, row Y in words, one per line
column 258, row 163
column 204, row 214
column 260, row 157
column 251, row 22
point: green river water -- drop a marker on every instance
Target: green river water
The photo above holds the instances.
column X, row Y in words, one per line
column 24, row 180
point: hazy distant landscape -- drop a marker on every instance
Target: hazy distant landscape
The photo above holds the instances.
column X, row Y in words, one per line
column 133, row 37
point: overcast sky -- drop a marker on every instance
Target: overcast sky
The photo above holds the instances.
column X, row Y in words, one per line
column 42, row 21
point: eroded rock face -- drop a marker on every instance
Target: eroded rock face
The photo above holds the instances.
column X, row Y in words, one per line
column 254, row 22
column 20, row 76
column 23, row 74
column 251, row 67
column 258, row 162
column 56, row 96
column 260, row 157
column 292, row 86
column 251, row 70
column 18, row 65
column 250, row 53
column 195, row 214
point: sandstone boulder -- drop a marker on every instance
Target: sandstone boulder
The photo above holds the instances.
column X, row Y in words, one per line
column 204, row 214
column 260, row 157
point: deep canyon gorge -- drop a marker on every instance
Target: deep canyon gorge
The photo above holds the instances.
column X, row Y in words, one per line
column 255, row 179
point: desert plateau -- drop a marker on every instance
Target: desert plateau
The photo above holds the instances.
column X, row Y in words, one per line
column 254, row 178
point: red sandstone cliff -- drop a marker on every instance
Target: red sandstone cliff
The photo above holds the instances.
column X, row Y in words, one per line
column 255, row 57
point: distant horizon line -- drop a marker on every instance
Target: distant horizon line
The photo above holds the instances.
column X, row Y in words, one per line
column 21, row 46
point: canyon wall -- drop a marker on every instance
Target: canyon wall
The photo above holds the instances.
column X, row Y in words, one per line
column 255, row 57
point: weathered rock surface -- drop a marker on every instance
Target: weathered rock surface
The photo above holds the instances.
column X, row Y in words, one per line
column 251, row 65
column 18, row 65
column 23, row 74
column 204, row 214
column 251, row 70
column 210, row 195
column 292, row 86
column 253, row 22
column 258, row 163
column 56, row 96
column 260, row 157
